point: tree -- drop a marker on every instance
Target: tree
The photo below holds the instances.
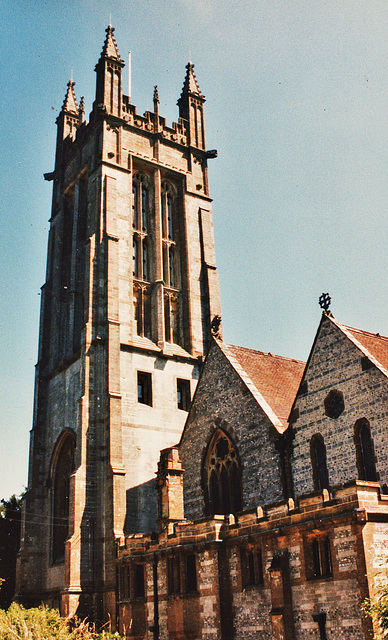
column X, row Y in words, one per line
column 10, row 520
column 376, row 608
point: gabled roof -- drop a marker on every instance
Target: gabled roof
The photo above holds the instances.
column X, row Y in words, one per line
column 372, row 345
column 272, row 380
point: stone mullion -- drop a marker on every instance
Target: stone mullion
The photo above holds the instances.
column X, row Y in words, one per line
column 158, row 314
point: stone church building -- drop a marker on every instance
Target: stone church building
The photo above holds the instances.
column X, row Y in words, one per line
column 181, row 487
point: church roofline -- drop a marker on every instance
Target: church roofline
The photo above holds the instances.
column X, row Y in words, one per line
column 278, row 421
column 348, row 332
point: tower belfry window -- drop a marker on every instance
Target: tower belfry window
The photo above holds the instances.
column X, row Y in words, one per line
column 142, row 255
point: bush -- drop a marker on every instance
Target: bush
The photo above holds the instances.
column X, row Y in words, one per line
column 377, row 609
column 43, row 623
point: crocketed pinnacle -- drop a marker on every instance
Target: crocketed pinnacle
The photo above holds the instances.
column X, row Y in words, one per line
column 70, row 103
column 110, row 49
column 190, row 84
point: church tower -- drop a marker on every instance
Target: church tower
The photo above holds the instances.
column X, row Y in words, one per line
column 130, row 294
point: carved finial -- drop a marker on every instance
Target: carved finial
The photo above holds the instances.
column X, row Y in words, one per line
column 190, row 84
column 324, row 301
column 70, row 102
column 81, row 110
column 156, row 98
column 215, row 326
column 110, row 49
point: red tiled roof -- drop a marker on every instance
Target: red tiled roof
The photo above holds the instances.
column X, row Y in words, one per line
column 276, row 378
column 375, row 344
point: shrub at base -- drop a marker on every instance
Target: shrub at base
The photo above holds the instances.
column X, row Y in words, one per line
column 43, row 624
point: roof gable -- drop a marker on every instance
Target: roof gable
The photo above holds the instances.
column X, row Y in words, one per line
column 372, row 345
column 273, row 380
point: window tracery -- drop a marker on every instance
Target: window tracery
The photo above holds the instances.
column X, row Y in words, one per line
column 141, row 254
column 222, row 476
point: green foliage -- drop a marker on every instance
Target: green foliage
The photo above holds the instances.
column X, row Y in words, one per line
column 43, row 623
column 377, row 609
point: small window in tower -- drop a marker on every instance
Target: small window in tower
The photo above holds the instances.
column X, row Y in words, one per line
column 183, row 394
column 138, row 581
column 144, row 388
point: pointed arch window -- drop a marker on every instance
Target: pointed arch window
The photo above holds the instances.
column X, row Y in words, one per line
column 64, row 467
column 222, row 476
column 319, row 463
column 365, row 453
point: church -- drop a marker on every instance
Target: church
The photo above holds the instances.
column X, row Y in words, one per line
column 181, row 487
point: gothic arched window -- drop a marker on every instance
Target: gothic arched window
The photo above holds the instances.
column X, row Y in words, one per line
column 319, row 463
column 64, row 467
column 366, row 464
column 222, row 477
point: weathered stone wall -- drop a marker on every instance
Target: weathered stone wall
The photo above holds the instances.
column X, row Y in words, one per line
column 354, row 524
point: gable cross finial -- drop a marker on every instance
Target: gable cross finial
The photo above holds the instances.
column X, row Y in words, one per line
column 324, row 301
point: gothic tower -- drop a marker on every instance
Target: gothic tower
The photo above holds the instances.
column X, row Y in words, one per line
column 131, row 290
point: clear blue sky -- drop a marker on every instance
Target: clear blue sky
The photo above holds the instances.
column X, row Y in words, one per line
column 297, row 106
